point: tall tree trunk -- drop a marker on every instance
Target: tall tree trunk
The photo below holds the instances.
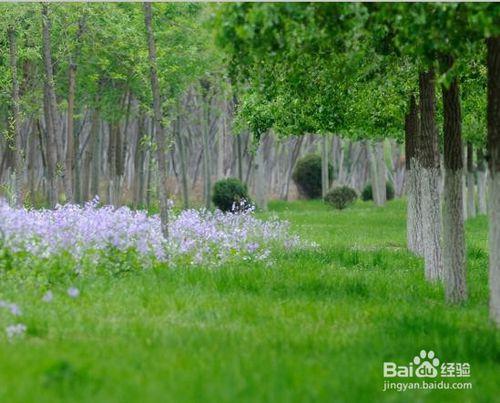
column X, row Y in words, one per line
column 413, row 188
column 159, row 129
column 182, row 157
column 381, row 172
column 294, row 155
column 338, row 158
column 96, row 154
column 493, row 63
column 464, row 186
column 220, row 146
column 471, row 207
column 374, row 177
column 453, row 222
column 139, row 157
column 429, row 161
column 49, row 108
column 32, row 162
column 207, row 163
column 261, row 173
column 70, row 148
column 18, row 152
column 481, row 182
column 77, row 172
column 112, row 151
column 325, row 180
column 239, row 157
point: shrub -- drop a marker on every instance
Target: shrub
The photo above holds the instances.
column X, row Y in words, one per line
column 230, row 191
column 367, row 193
column 341, row 197
column 307, row 176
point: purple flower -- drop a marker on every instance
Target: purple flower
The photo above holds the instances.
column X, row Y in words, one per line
column 196, row 236
column 73, row 292
column 48, row 296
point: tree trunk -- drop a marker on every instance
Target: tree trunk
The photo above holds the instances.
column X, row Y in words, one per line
column 481, row 183
column 294, row 155
column 454, row 265
column 96, row 155
column 261, row 173
column 18, row 152
column 32, row 160
column 239, row 157
column 70, row 148
column 464, row 187
column 381, row 171
column 325, row 180
column 207, row 163
column 374, row 177
column 182, row 157
column 49, row 108
column 112, row 130
column 471, row 207
column 413, row 188
column 220, row 146
column 139, row 154
column 493, row 63
column 428, row 157
column 338, row 157
column 159, row 129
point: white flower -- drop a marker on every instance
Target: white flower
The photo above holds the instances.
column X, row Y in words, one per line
column 15, row 330
column 73, row 292
column 48, row 296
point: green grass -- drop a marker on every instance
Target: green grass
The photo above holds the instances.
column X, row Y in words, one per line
column 317, row 326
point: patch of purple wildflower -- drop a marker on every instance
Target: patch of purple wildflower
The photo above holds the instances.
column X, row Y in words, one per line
column 196, row 236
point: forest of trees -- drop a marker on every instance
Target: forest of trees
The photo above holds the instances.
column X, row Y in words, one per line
column 138, row 104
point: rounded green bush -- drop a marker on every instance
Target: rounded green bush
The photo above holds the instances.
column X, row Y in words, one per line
column 228, row 191
column 341, row 197
column 307, row 176
column 367, row 193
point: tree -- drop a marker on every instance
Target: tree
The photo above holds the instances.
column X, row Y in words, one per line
column 18, row 151
column 493, row 147
column 454, row 240
column 49, row 108
column 160, row 137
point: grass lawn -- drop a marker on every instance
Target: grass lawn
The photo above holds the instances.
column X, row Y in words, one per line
column 315, row 326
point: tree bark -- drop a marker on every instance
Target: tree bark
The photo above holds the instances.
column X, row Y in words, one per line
column 294, row 155
column 374, row 177
column 325, row 180
column 239, row 157
column 220, row 146
column 18, row 152
column 481, row 182
column 413, row 188
column 428, row 159
column 207, row 161
column 158, row 116
column 112, row 130
column 454, row 264
column 182, row 157
column 381, row 172
column 471, row 205
column 49, row 108
column 139, row 168
column 493, row 152
column 96, row 154
column 260, row 171
column 70, row 148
